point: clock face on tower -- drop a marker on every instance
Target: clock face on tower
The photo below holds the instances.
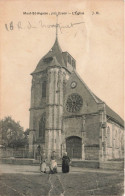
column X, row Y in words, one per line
column 73, row 84
column 74, row 103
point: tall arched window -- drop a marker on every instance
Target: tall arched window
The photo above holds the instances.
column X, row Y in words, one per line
column 122, row 141
column 42, row 124
column 69, row 59
column 44, row 89
column 116, row 138
column 108, row 137
column 73, row 63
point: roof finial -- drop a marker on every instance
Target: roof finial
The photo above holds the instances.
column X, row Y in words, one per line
column 57, row 26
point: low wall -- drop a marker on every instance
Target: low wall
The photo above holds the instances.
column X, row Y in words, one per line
column 17, row 161
column 114, row 165
column 85, row 164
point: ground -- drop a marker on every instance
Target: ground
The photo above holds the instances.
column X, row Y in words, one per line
column 22, row 180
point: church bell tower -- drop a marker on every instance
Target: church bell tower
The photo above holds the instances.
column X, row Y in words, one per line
column 47, row 97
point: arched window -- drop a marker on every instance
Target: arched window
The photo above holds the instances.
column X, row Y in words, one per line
column 122, row 141
column 73, row 63
column 108, row 137
column 117, row 138
column 42, row 124
column 44, row 89
column 69, row 59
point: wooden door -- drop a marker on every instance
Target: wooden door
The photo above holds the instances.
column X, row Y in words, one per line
column 74, row 147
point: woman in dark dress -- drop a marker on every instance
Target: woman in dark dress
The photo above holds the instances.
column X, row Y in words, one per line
column 65, row 163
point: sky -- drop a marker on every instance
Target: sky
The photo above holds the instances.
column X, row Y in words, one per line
column 94, row 39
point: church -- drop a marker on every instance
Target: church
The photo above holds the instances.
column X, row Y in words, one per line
column 65, row 115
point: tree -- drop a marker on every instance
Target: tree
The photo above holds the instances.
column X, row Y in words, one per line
column 12, row 134
column 27, row 131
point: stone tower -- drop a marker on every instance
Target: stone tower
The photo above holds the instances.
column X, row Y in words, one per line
column 47, row 98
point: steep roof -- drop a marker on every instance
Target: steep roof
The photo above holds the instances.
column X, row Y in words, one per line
column 97, row 100
column 114, row 115
column 109, row 112
column 56, row 53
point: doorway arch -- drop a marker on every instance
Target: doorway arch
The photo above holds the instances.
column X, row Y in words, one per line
column 74, row 147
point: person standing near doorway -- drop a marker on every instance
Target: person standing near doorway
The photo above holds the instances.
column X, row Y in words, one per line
column 65, row 163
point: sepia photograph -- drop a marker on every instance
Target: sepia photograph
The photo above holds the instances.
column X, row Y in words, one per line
column 62, row 98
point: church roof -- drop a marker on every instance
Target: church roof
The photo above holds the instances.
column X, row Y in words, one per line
column 54, row 53
column 109, row 112
column 113, row 115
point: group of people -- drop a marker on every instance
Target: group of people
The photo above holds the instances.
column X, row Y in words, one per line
column 53, row 164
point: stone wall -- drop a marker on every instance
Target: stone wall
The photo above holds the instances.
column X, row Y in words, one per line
column 72, row 126
column 115, row 141
column 92, row 128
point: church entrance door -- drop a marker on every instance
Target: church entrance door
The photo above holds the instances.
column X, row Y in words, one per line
column 74, row 147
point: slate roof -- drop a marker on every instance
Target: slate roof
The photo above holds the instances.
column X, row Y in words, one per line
column 54, row 53
column 114, row 115
column 110, row 113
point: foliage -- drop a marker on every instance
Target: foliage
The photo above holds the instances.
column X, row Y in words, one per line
column 27, row 131
column 12, row 133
